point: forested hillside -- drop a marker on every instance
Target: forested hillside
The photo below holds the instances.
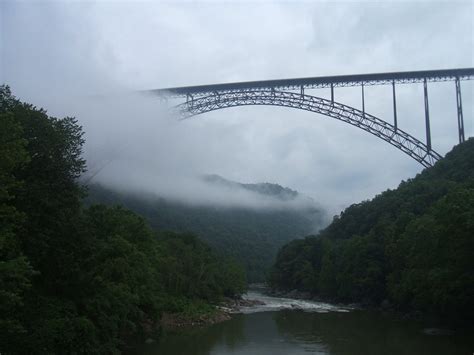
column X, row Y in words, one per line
column 249, row 235
column 264, row 188
column 412, row 247
column 84, row 280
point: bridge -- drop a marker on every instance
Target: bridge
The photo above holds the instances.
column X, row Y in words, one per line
column 293, row 93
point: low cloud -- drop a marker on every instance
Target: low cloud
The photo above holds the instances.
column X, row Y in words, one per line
column 88, row 59
column 162, row 156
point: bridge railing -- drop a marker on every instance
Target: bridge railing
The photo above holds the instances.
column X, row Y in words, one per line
column 321, row 82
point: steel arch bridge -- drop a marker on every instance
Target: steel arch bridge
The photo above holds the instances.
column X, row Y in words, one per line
column 291, row 93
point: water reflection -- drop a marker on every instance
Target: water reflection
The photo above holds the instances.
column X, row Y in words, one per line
column 365, row 333
column 297, row 332
column 200, row 340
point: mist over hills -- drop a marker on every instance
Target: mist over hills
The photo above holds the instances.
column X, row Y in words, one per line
column 250, row 235
column 263, row 188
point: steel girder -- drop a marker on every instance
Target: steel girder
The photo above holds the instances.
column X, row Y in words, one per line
column 320, row 82
column 369, row 123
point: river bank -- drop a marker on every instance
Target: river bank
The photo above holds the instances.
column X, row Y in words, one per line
column 216, row 314
column 280, row 326
column 443, row 325
column 307, row 296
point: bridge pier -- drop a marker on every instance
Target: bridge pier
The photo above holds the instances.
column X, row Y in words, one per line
column 189, row 98
column 395, row 124
column 363, row 100
column 459, row 109
column 427, row 115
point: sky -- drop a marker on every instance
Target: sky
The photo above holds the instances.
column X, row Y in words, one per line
column 88, row 58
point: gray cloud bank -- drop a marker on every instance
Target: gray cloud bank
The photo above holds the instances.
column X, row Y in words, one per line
column 84, row 59
column 164, row 157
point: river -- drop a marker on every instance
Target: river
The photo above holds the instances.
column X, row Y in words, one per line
column 286, row 326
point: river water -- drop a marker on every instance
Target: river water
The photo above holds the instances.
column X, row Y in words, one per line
column 287, row 326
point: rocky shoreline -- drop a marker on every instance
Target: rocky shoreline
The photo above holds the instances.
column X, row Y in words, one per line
column 173, row 321
column 385, row 306
column 234, row 306
column 223, row 312
column 306, row 296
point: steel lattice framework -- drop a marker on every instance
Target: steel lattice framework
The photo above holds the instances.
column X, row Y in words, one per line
column 379, row 128
column 291, row 93
column 319, row 82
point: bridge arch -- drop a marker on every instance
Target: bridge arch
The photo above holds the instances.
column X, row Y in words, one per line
column 270, row 97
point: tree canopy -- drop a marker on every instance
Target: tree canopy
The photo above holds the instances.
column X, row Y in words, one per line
column 412, row 246
column 84, row 280
column 250, row 236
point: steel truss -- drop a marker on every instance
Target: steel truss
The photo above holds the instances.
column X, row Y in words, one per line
column 331, row 82
column 361, row 119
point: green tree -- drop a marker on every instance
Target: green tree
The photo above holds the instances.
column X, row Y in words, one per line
column 84, row 280
column 15, row 269
column 412, row 246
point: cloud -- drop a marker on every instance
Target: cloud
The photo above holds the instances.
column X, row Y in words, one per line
column 83, row 59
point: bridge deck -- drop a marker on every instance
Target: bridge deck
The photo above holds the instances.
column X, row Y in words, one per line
column 321, row 82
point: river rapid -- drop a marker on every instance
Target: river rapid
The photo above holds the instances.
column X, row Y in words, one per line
column 289, row 326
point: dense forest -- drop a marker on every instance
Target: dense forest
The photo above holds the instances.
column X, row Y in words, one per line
column 250, row 236
column 76, row 279
column 411, row 248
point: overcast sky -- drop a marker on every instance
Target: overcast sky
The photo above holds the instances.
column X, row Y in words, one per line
column 83, row 58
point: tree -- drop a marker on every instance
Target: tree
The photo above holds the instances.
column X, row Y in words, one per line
column 15, row 269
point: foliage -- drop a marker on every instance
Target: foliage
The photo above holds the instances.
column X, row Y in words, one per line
column 412, row 246
column 251, row 237
column 84, row 280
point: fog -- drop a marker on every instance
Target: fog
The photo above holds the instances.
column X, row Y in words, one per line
column 161, row 155
column 88, row 60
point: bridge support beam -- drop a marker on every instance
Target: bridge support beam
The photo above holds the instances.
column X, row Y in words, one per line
column 367, row 122
column 190, row 98
column 363, row 101
column 332, row 94
column 427, row 116
column 395, row 124
column 459, row 107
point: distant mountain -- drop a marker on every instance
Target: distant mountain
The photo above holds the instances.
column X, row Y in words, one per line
column 251, row 235
column 264, row 188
